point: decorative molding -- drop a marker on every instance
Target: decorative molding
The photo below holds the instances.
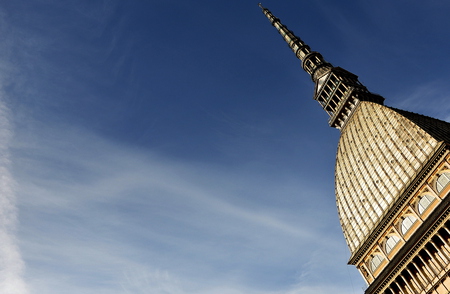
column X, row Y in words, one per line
column 411, row 247
column 399, row 204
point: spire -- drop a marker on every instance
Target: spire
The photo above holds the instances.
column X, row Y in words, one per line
column 311, row 61
column 338, row 91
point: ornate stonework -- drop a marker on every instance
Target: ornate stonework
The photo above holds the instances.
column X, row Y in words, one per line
column 379, row 152
column 392, row 180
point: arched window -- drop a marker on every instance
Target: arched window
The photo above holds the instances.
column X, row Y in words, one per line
column 442, row 181
column 424, row 202
column 407, row 223
column 377, row 259
column 391, row 242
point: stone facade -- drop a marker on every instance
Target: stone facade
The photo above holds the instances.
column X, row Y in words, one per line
column 392, row 180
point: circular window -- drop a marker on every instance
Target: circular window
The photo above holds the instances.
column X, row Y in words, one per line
column 391, row 242
column 424, row 202
column 442, row 181
column 407, row 223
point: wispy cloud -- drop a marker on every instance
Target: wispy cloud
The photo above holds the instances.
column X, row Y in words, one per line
column 94, row 210
column 100, row 216
column 11, row 263
column 429, row 98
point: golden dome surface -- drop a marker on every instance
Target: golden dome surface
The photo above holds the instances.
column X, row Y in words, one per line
column 379, row 152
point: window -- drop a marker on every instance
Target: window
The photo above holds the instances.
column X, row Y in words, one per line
column 308, row 64
column 391, row 242
column 442, row 181
column 407, row 223
column 321, row 81
column 424, row 202
column 377, row 259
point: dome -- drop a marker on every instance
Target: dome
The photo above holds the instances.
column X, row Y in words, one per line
column 379, row 152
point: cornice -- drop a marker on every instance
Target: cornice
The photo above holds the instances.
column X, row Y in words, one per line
column 411, row 247
column 399, row 204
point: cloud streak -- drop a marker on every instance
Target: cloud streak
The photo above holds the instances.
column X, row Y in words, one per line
column 103, row 215
column 418, row 99
column 11, row 263
column 94, row 210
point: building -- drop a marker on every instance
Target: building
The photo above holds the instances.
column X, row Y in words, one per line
column 391, row 180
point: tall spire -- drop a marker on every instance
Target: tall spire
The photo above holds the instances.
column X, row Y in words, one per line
column 311, row 61
column 338, row 91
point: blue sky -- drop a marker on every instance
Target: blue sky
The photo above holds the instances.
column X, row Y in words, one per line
column 172, row 147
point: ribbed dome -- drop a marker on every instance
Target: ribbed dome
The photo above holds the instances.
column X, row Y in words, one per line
column 379, row 152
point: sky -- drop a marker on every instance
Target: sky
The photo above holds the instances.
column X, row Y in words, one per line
column 173, row 147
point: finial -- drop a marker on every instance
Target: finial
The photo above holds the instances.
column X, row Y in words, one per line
column 260, row 5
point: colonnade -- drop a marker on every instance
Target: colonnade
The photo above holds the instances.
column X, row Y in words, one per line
column 429, row 270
